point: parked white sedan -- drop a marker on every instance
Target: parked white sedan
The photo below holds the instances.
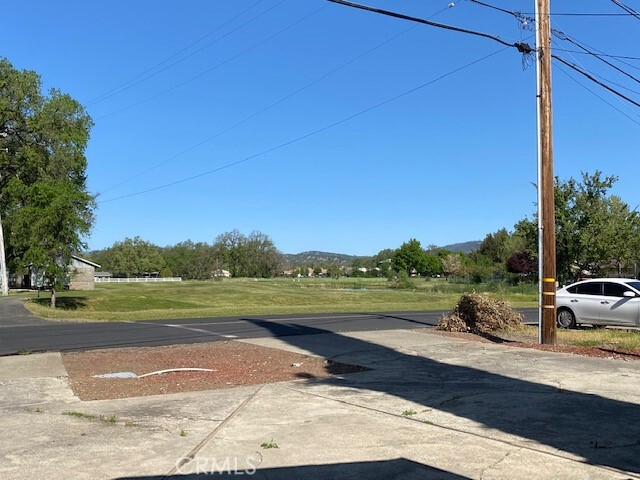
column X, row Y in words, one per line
column 599, row 301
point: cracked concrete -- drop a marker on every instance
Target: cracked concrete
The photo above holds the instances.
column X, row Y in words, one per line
column 482, row 411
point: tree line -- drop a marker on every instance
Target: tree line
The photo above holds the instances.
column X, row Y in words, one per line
column 252, row 255
column 597, row 234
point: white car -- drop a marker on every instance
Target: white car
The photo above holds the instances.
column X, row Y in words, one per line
column 599, row 301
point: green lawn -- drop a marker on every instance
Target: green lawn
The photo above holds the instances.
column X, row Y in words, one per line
column 190, row 299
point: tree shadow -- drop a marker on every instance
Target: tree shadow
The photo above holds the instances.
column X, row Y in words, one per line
column 63, row 303
column 399, row 468
column 603, row 431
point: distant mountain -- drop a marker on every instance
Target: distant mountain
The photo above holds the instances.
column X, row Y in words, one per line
column 465, row 247
column 316, row 258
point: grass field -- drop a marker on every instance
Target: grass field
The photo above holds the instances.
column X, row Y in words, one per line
column 145, row 301
column 609, row 338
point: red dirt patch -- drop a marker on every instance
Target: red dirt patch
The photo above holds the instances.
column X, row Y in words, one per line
column 234, row 364
column 617, row 354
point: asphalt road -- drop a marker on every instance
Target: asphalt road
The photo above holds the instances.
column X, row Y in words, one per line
column 53, row 336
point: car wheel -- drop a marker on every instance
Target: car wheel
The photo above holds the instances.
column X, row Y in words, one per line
column 566, row 318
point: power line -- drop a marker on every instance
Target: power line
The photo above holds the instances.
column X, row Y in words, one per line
column 608, row 56
column 423, row 21
column 271, row 105
column 307, row 135
column 521, row 46
column 627, row 9
column 598, row 96
column 215, row 67
column 566, row 14
column 561, row 35
column 208, row 34
column 520, row 17
column 144, row 79
column 595, row 80
column 605, row 79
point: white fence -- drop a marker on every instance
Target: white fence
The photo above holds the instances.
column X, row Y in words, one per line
column 136, row 280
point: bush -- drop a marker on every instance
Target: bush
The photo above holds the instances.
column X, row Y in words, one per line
column 402, row 280
column 165, row 273
column 478, row 313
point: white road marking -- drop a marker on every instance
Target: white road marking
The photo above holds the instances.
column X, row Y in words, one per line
column 199, row 330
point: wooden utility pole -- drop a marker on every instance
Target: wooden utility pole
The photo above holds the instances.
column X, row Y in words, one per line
column 546, row 201
column 4, row 276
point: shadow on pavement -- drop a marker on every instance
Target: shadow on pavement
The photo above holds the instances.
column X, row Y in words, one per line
column 384, row 470
column 602, row 431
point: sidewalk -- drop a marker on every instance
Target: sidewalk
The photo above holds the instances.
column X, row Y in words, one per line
column 430, row 407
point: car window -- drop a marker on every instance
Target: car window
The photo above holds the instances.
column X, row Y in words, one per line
column 572, row 289
column 590, row 288
column 615, row 289
column 635, row 284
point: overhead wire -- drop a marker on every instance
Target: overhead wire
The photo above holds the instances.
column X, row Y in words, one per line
column 271, row 105
column 215, row 67
column 595, row 80
column 222, row 37
column 150, row 69
column 627, row 9
column 421, row 20
column 561, row 35
column 598, row 96
column 309, row 134
column 578, row 69
column 602, row 78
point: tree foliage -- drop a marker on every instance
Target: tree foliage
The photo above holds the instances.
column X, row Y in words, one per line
column 596, row 232
column 46, row 210
column 254, row 255
column 409, row 258
column 132, row 257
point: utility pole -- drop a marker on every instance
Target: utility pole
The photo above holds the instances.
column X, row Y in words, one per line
column 4, row 277
column 546, row 200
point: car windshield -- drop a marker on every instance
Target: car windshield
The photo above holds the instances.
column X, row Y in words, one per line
column 635, row 285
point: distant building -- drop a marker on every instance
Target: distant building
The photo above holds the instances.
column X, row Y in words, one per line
column 222, row 273
column 98, row 275
column 82, row 274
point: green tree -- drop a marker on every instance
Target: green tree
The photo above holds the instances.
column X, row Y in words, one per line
column 133, row 257
column 433, row 265
column 248, row 256
column 452, row 264
column 495, row 246
column 409, row 257
column 46, row 210
column 594, row 230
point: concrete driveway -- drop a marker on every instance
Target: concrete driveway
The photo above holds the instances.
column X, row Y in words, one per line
column 429, row 407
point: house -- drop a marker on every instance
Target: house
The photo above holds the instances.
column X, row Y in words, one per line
column 98, row 276
column 82, row 276
column 222, row 273
column 82, row 273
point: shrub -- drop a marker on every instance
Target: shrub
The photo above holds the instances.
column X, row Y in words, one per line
column 165, row 273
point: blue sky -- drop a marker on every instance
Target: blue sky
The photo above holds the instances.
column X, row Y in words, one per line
column 447, row 163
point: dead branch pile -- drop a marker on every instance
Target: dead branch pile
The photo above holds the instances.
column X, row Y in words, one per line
column 478, row 313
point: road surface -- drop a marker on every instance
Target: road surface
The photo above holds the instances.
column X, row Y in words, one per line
column 55, row 336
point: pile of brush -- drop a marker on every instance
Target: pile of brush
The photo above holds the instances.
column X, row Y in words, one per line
column 479, row 313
